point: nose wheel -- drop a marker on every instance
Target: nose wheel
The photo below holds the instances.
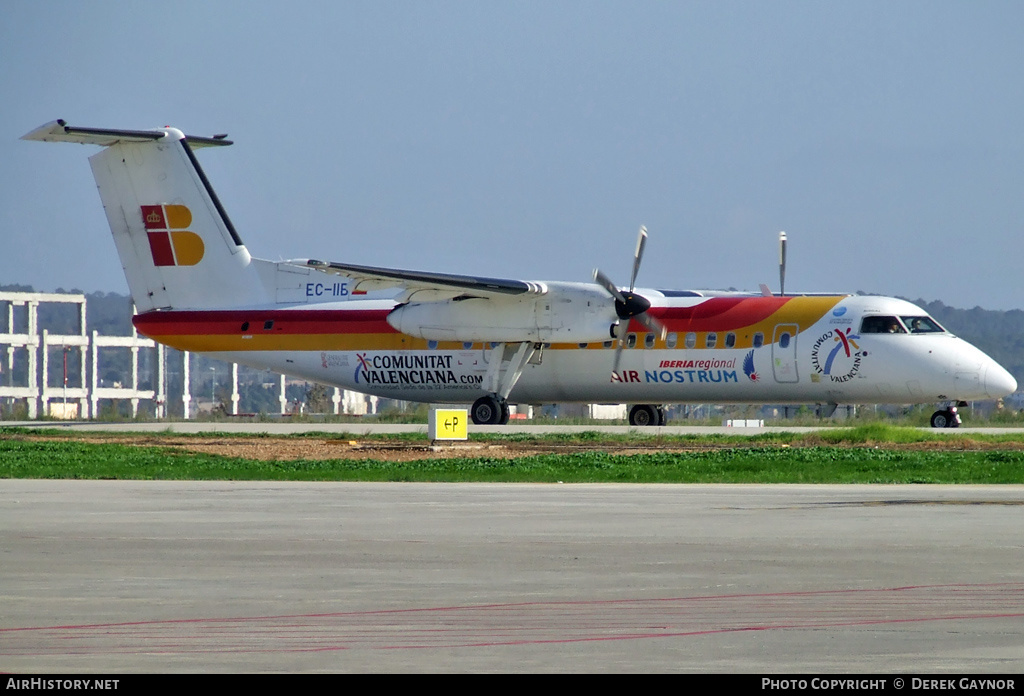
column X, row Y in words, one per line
column 946, row 418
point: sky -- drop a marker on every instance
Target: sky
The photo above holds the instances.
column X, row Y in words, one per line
column 531, row 140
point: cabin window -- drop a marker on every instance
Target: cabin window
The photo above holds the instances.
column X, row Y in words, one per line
column 922, row 325
column 758, row 339
column 877, row 325
column 784, row 340
column 711, row 341
column 432, row 345
column 245, row 326
column 631, row 340
column 608, row 344
column 466, row 345
column 730, row 340
column 691, row 340
column 582, row 345
column 268, row 325
column 672, row 340
column 649, row 340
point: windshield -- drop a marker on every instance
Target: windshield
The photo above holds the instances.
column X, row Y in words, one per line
column 923, row 324
column 900, row 325
column 881, row 325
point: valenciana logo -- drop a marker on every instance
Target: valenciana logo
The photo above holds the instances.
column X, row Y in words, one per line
column 169, row 239
column 843, row 361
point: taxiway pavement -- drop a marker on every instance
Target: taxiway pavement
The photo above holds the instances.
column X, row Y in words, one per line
column 160, row 576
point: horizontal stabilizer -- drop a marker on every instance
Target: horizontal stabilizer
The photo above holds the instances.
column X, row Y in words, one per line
column 60, row 131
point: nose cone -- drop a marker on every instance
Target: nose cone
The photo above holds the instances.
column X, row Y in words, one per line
column 999, row 382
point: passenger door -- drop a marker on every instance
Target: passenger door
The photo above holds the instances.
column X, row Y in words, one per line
column 784, row 353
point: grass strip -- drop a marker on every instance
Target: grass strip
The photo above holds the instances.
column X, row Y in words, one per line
column 871, row 434
column 69, row 459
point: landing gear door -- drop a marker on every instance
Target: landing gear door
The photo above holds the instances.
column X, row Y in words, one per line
column 784, row 353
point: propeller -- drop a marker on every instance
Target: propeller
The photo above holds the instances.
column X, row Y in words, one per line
column 629, row 305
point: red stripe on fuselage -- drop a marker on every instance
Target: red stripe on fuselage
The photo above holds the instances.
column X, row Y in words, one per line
column 718, row 313
column 297, row 322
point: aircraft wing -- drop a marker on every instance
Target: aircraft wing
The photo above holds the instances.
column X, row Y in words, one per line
column 432, row 285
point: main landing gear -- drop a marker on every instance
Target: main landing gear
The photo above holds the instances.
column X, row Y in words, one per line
column 645, row 414
column 503, row 371
column 946, row 418
column 490, row 410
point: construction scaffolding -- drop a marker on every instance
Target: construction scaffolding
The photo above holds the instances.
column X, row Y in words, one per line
column 32, row 343
column 78, row 393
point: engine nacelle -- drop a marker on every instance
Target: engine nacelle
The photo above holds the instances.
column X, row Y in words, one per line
column 572, row 315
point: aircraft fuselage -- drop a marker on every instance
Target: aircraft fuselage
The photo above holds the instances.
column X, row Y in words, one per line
column 725, row 349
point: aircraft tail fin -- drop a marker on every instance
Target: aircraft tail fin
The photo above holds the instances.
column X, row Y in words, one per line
column 177, row 245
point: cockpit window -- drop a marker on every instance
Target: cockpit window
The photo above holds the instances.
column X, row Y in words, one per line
column 922, row 325
column 881, row 325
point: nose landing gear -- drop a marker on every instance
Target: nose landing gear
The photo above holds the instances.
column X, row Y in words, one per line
column 946, row 418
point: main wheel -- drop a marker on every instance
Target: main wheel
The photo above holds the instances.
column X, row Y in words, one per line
column 506, row 413
column 662, row 418
column 643, row 415
column 486, row 410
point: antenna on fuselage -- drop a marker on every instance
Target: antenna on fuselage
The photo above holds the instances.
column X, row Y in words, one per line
column 782, row 263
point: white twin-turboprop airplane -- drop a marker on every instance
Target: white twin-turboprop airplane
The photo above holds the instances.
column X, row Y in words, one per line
column 440, row 338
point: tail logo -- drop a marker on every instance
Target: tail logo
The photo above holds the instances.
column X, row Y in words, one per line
column 170, row 241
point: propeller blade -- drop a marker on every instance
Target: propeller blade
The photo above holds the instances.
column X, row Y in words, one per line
column 641, row 242
column 606, row 283
column 652, row 324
